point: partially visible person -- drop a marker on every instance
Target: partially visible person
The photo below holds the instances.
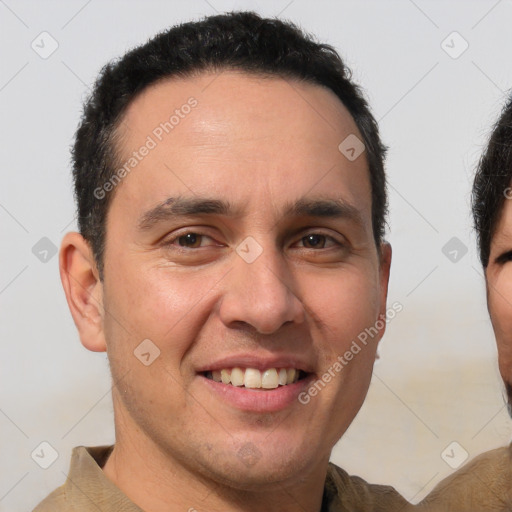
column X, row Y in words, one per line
column 485, row 483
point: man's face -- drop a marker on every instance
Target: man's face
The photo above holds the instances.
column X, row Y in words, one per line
column 243, row 240
column 499, row 289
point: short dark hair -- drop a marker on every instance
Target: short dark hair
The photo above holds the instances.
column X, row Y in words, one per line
column 492, row 182
column 239, row 41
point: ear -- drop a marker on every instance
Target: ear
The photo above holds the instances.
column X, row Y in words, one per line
column 384, row 270
column 83, row 289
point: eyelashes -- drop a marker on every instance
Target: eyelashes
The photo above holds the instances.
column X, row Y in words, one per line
column 193, row 240
column 190, row 237
column 504, row 258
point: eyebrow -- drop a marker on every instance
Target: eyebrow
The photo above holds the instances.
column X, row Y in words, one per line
column 183, row 206
column 325, row 208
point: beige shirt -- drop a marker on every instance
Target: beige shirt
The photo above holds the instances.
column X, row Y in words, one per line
column 87, row 489
column 482, row 485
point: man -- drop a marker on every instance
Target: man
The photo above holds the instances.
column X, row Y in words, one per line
column 485, row 483
column 231, row 196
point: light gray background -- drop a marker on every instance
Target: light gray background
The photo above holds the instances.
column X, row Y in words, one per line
column 436, row 381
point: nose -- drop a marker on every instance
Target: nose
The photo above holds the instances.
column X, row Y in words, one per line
column 261, row 294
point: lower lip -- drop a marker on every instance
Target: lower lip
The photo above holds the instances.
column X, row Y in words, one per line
column 259, row 400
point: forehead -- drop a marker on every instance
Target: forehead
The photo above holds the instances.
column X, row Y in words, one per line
column 233, row 95
column 246, row 136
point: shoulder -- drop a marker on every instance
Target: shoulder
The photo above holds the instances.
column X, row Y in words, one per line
column 85, row 479
column 484, row 483
column 354, row 493
column 54, row 502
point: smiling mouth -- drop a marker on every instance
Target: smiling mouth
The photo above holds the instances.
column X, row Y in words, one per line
column 253, row 378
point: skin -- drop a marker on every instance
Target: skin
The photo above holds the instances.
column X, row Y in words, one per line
column 259, row 144
column 499, row 289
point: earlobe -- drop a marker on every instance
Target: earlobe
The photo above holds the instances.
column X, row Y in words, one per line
column 83, row 289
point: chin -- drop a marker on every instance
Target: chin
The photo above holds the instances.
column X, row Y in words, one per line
column 254, row 464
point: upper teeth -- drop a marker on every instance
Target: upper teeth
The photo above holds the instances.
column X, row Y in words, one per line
column 253, row 378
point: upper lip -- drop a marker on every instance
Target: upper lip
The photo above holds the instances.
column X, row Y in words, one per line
column 258, row 362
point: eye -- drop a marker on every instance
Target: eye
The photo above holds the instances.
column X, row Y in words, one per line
column 503, row 258
column 190, row 240
column 318, row 241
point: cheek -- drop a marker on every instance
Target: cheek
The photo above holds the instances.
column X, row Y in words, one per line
column 164, row 306
column 500, row 309
column 347, row 305
column 160, row 304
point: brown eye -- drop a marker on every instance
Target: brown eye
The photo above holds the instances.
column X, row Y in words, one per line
column 314, row 241
column 191, row 240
